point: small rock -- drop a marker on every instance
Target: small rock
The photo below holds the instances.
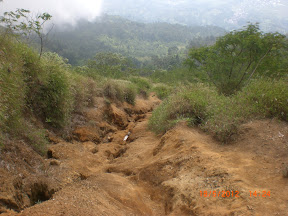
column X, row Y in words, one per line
column 53, row 139
column 250, row 207
column 94, row 150
column 280, row 135
column 54, row 163
column 110, row 139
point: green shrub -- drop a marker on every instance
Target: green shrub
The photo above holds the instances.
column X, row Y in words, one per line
column 130, row 93
column 219, row 115
column 120, row 90
column 143, row 85
column 39, row 89
column 159, row 121
column 83, row 90
column 33, row 135
column 54, row 98
column 12, row 85
column 112, row 90
column 226, row 115
column 190, row 103
column 267, row 97
column 162, row 91
column 2, row 140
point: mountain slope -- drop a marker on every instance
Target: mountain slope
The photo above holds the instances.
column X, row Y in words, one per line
column 116, row 34
column 229, row 14
column 183, row 172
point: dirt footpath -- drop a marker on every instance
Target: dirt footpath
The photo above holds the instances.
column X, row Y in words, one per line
column 183, row 172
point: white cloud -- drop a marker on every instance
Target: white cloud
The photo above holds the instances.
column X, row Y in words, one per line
column 63, row 11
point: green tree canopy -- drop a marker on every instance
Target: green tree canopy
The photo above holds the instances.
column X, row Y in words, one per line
column 236, row 57
column 21, row 22
column 112, row 65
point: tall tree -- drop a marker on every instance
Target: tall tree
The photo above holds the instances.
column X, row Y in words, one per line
column 22, row 22
column 235, row 57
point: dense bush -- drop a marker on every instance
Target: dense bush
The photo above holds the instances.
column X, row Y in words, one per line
column 16, row 85
column 189, row 103
column 143, row 85
column 83, row 90
column 240, row 55
column 162, row 90
column 49, row 93
column 267, row 97
column 37, row 91
column 120, row 90
column 220, row 115
column 12, row 85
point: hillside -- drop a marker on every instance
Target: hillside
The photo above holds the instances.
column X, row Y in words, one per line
column 208, row 137
column 134, row 39
column 183, row 172
column 230, row 14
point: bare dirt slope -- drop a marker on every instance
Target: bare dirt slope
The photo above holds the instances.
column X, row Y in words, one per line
column 97, row 173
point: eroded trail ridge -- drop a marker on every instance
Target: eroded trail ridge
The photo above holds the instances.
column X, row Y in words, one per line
column 183, row 172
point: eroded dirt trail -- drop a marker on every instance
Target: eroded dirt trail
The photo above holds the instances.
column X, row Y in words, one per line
column 163, row 175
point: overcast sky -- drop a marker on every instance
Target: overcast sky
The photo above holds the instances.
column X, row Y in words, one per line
column 200, row 12
column 61, row 10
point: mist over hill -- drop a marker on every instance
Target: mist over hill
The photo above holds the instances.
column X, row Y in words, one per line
column 134, row 39
column 228, row 14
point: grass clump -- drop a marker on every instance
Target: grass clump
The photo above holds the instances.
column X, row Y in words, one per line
column 83, row 90
column 226, row 116
column 190, row 103
column 162, row 90
column 219, row 115
column 120, row 90
column 20, row 80
column 50, row 90
column 142, row 84
column 33, row 92
column 267, row 97
column 12, row 85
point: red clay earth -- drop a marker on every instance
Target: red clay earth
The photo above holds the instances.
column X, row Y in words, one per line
column 183, row 172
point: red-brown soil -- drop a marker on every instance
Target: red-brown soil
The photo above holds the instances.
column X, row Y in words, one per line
column 97, row 173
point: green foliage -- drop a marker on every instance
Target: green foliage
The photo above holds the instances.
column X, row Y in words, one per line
column 14, row 90
column 142, row 84
column 267, row 97
column 162, row 91
column 179, row 75
column 111, row 65
column 190, row 103
column 21, row 22
column 12, row 85
column 165, row 62
column 120, row 90
column 235, row 57
column 226, row 116
column 220, row 115
column 117, row 35
column 34, row 135
column 2, row 140
column 55, row 98
column 130, row 93
column 48, row 85
column 83, row 90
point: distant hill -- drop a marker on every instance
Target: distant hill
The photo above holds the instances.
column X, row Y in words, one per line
column 134, row 39
column 228, row 14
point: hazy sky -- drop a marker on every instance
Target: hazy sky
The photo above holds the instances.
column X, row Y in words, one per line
column 61, row 10
column 224, row 13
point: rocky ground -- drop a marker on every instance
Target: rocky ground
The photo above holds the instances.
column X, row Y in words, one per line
column 183, row 172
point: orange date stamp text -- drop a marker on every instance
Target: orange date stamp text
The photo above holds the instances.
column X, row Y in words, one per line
column 219, row 194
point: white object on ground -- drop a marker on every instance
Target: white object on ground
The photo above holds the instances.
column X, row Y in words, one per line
column 126, row 137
